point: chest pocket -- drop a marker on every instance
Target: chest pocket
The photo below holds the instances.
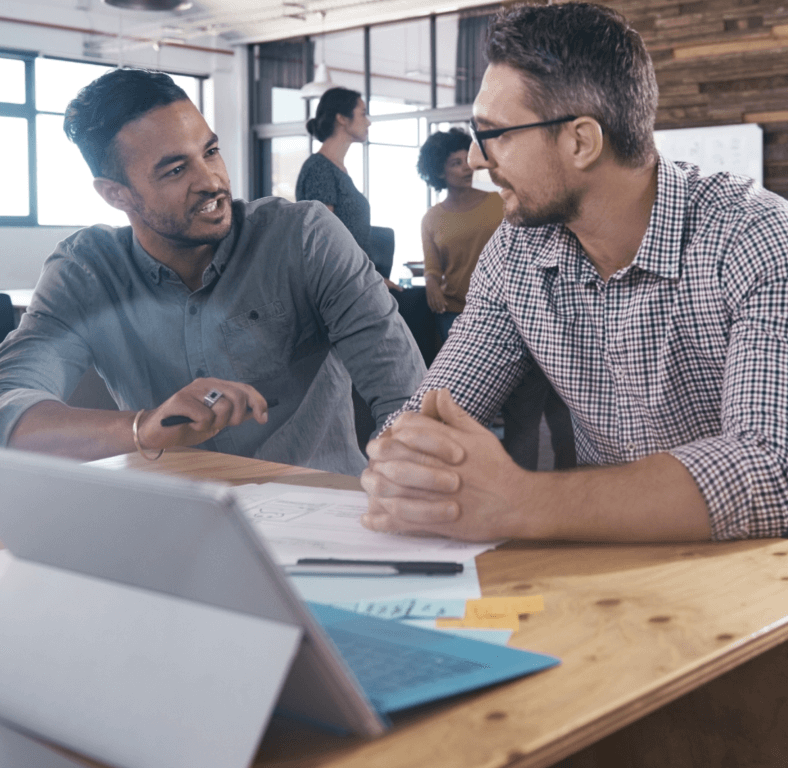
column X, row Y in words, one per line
column 257, row 341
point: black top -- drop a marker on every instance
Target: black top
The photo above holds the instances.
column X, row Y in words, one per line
column 321, row 180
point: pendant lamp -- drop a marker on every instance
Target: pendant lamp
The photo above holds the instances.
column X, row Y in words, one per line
column 150, row 5
column 322, row 81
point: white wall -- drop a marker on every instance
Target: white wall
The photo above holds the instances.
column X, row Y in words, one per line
column 24, row 249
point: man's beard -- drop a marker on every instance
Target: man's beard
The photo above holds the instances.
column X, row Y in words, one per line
column 561, row 210
column 175, row 229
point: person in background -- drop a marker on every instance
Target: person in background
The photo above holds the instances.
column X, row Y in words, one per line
column 340, row 120
column 454, row 231
column 202, row 314
column 453, row 234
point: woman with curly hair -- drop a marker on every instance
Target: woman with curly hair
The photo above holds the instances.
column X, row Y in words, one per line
column 454, row 231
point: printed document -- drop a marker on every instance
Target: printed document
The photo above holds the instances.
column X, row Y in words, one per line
column 300, row 521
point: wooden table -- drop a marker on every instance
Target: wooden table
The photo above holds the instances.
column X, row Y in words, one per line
column 677, row 650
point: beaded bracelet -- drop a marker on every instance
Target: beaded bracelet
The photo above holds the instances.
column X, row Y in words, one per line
column 135, row 434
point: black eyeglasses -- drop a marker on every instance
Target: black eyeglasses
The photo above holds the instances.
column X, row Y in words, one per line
column 480, row 136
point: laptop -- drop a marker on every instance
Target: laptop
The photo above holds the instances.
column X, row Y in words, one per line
column 144, row 622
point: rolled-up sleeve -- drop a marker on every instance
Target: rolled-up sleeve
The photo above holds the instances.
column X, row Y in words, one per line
column 743, row 472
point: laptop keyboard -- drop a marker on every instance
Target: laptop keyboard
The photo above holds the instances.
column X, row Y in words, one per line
column 382, row 667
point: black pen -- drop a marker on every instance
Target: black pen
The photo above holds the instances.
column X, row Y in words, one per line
column 336, row 567
column 174, row 421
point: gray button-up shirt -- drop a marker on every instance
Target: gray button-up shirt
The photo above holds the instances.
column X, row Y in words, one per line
column 290, row 304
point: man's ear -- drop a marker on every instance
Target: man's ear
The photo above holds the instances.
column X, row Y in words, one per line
column 113, row 192
column 586, row 141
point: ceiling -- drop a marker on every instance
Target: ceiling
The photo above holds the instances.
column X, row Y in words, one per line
column 245, row 21
column 236, row 22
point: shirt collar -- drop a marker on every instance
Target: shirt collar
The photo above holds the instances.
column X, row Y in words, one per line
column 561, row 249
column 660, row 249
column 154, row 270
column 223, row 252
column 157, row 271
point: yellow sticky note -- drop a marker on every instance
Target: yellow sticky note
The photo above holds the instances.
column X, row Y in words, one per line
column 513, row 604
column 495, row 612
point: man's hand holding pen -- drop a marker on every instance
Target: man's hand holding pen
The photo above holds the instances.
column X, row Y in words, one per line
column 200, row 411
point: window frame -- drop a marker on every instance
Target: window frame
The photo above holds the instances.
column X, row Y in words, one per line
column 26, row 111
column 29, row 112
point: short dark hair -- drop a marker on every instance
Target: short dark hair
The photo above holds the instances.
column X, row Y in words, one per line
column 582, row 59
column 335, row 101
column 435, row 152
column 99, row 111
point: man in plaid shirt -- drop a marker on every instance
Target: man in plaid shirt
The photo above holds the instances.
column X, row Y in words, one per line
column 653, row 299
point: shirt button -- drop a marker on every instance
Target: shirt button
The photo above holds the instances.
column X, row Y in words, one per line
column 253, row 315
column 631, row 447
column 199, row 373
column 192, row 310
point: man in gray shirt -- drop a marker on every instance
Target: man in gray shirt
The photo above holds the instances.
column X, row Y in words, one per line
column 205, row 308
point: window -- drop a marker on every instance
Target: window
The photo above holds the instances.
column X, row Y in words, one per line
column 396, row 193
column 52, row 184
column 400, row 67
column 16, row 114
column 418, row 76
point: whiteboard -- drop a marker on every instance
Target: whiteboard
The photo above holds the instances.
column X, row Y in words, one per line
column 734, row 148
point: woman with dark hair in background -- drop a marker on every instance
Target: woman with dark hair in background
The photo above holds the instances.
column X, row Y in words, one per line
column 340, row 120
column 454, row 231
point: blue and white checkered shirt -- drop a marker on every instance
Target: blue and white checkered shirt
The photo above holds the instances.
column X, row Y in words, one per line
column 684, row 351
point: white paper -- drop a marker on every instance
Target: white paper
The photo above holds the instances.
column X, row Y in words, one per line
column 299, row 522
column 406, row 608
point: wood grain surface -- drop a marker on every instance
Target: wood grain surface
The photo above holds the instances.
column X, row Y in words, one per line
column 636, row 627
column 237, row 470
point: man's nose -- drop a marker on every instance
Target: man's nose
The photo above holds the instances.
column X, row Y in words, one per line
column 208, row 178
column 476, row 158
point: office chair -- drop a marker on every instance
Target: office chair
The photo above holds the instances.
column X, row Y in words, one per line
column 381, row 249
column 7, row 320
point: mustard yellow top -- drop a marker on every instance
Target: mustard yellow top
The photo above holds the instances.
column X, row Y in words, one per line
column 452, row 244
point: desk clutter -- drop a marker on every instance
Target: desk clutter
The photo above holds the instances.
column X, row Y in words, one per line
column 692, row 633
column 173, row 593
column 481, row 613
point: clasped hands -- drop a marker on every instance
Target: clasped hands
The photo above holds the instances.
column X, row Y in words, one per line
column 441, row 472
column 237, row 403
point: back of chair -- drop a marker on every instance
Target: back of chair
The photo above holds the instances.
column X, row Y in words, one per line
column 381, row 247
column 6, row 315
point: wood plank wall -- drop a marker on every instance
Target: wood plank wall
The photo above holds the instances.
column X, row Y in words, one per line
column 720, row 62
